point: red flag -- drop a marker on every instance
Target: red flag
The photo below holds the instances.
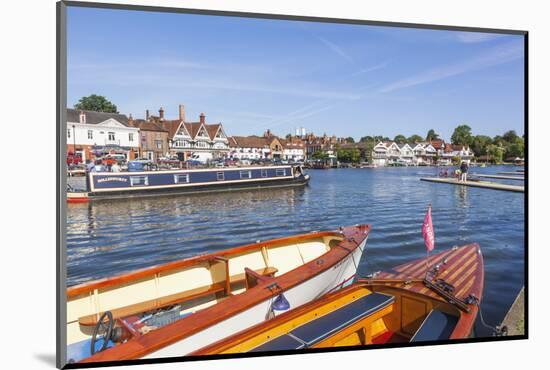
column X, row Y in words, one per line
column 428, row 231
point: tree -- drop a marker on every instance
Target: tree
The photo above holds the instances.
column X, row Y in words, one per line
column 400, row 139
column 350, row 139
column 479, row 144
column 510, row 136
column 431, row 135
column 320, row 154
column 288, row 136
column 366, row 139
column 96, row 103
column 462, row 135
column 495, row 153
column 413, row 139
column 516, row 149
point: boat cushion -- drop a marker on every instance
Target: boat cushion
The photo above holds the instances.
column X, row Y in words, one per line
column 329, row 324
column 280, row 343
column 437, row 325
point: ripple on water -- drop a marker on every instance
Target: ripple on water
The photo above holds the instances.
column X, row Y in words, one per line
column 107, row 238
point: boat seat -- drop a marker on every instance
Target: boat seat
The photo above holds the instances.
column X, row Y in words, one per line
column 319, row 329
column 437, row 325
column 172, row 299
column 241, row 278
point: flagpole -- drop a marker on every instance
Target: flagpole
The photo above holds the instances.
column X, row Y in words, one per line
column 427, row 250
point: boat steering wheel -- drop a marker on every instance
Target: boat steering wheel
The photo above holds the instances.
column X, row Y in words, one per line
column 103, row 329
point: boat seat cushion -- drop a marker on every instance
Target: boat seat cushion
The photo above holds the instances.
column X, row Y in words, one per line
column 329, row 324
column 280, row 343
column 437, row 325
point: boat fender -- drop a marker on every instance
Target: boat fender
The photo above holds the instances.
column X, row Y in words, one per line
column 280, row 303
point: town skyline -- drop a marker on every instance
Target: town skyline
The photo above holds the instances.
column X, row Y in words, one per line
column 252, row 75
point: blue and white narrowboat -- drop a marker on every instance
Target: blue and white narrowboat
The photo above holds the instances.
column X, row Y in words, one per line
column 110, row 185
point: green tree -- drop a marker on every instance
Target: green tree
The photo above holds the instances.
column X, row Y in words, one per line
column 510, row 136
column 288, row 136
column 431, row 135
column 413, row 139
column 462, row 135
column 320, row 154
column 495, row 153
column 350, row 139
column 96, row 103
column 367, row 139
column 400, row 139
column 516, row 149
column 479, row 144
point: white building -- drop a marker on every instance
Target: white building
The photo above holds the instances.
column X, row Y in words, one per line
column 92, row 134
column 186, row 138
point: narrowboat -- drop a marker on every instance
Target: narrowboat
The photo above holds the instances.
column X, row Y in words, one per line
column 412, row 303
column 112, row 185
column 179, row 307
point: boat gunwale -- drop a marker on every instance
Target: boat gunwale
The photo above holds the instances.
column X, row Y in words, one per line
column 153, row 341
column 461, row 330
column 123, row 278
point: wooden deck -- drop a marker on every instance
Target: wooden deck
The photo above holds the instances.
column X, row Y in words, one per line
column 511, row 173
column 477, row 184
column 518, row 178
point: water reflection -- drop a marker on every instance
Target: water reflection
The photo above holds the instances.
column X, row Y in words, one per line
column 110, row 237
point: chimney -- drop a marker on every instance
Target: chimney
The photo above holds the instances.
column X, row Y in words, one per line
column 161, row 114
column 82, row 117
column 202, row 118
column 147, row 114
column 182, row 112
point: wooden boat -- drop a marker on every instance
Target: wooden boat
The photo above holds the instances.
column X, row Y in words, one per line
column 179, row 307
column 411, row 303
column 113, row 185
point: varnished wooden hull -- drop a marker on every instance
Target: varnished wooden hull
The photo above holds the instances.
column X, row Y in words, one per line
column 402, row 309
column 316, row 273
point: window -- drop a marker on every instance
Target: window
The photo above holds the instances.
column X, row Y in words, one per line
column 90, row 134
column 130, row 136
column 280, row 172
column 139, row 180
column 264, row 172
column 111, row 136
column 159, row 144
column 221, row 176
column 181, row 178
column 69, row 133
column 246, row 174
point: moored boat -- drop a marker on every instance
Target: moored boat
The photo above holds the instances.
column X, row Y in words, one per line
column 411, row 303
column 112, row 185
column 179, row 307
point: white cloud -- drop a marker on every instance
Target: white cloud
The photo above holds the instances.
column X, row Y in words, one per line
column 336, row 49
column 495, row 56
column 475, row 37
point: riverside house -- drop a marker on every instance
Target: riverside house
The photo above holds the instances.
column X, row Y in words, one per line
column 94, row 134
column 186, row 138
column 425, row 153
column 153, row 139
column 267, row 146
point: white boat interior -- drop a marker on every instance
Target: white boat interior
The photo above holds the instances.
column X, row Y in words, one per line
column 186, row 286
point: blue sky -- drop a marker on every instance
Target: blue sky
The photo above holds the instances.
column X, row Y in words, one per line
column 253, row 74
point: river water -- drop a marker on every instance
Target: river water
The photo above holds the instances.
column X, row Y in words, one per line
column 111, row 237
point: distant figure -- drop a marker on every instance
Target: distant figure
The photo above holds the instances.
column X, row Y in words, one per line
column 115, row 167
column 98, row 166
column 464, row 171
column 89, row 165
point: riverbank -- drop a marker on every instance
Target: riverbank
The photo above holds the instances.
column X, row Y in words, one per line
column 515, row 318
